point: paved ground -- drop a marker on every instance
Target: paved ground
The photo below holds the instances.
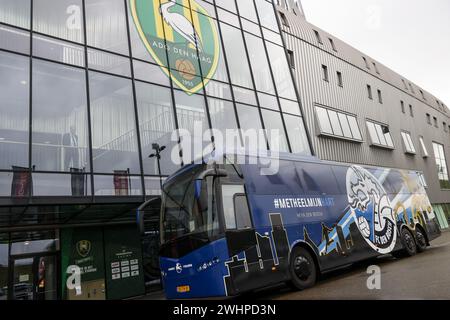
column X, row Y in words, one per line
column 424, row 276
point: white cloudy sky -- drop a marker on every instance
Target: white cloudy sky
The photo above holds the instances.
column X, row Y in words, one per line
column 412, row 37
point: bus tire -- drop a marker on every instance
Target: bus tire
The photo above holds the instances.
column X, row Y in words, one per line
column 409, row 243
column 421, row 240
column 303, row 269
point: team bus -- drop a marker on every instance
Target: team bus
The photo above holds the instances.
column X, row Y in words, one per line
column 227, row 228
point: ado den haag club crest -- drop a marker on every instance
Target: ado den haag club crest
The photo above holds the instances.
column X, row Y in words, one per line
column 184, row 40
column 83, row 248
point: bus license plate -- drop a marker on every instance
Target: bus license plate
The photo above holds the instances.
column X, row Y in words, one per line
column 183, row 289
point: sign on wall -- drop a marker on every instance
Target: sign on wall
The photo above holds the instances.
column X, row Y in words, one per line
column 184, row 40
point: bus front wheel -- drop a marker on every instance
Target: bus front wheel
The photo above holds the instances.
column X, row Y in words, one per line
column 302, row 269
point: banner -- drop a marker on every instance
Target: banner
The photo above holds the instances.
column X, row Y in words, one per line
column 21, row 182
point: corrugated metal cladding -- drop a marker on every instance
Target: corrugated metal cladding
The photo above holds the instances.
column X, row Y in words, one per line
column 353, row 98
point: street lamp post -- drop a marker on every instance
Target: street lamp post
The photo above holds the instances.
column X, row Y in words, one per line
column 158, row 149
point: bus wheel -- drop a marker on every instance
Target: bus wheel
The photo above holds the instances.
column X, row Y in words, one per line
column 421, row 240
column 409, row 244
column 302, row 268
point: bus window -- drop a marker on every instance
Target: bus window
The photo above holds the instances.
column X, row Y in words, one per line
column 243, row 220
column 318, row 179
column 235, row 207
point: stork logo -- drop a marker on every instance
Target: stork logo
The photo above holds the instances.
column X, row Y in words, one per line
column 181, row 37
column 372, row 209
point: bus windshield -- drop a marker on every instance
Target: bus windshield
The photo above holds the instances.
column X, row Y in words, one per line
column 187, row 207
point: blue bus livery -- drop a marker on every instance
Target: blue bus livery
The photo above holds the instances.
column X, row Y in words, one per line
column 227, row 229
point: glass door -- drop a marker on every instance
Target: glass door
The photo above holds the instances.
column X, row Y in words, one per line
column 34, row 278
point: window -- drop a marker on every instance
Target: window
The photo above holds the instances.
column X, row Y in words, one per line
column 337, row 124
column 281, row 71
column 412, row 88
column 422, row 180
column 235, row 206
column 318, row 37
column 445, row 126
column 266, row 15
column 366, row 62
column 291, row 58
column 297, row 134
column 16, row 13
column 407, row 141
column 380, row 135
column 284, row 20
column 402, row 104
column 380, row 97
column 60, row 131
column 376, row 68
column 424, row 147
column 332, row 44
column 435, row 122
column 441, row 164
column 14, row 110
column 369, row 92
column 339, row 79
column 273, row 121
column 411, row 111
column 325, row 73
column 428, row 118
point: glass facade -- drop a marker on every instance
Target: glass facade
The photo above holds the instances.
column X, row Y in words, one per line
column 88, row 86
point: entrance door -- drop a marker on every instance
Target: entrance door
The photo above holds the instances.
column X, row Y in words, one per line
column 34, row 278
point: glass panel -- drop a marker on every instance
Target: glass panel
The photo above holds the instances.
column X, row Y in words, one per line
column 60, row 127
column 268, row 101
column 267, row 15
column 16, row 12
column 249, row 117
column 114, row 139
column 76, row 184
column 108, row 62
column 244, row 95
column 324, row 121
column 219, row 90
column 222, row 115
column 345, row 126
column 14, row 39
column 337, row 130
column 153, row 188
column 57, row 50
column 272, row 36
column 23, row 288
column 354, row 127
column 297, row 134
column 424, row 148
column 236, row 56
column 33, row 242
column 251, row 27
column 120, row 184
column 381, row 134
column 281, row 71
column 273, row 121
column 150, row 72
column 259, row 64
column 247, row 9
column 156, row 125
column 228, row 192
column 243, row 219
column 290, row 107
column 14, row 110
column 106, row 25
column 61, row 19
column 227, row 4
column 228, row 17
column 388, row 137
column 373, row 133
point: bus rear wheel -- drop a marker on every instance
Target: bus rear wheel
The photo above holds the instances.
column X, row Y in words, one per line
column 409, row 245
column 303, row 269
column 421, row 240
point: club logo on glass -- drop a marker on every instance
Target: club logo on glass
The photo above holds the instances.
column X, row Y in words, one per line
column 182, row 40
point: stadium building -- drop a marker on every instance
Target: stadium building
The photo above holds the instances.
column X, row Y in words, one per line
column 89, row 89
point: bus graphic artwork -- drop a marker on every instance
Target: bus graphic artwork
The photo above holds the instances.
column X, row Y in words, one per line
column 372, row 209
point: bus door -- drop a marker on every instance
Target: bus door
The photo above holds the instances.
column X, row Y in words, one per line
column 249, row 263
